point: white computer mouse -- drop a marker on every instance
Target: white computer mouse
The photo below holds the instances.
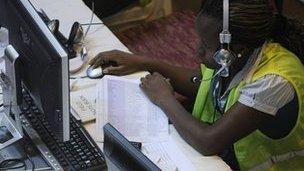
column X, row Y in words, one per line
column 94, row 72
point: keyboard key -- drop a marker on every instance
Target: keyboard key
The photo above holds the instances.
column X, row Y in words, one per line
column 68, row 155
column 84, row 157
column 74, row 162
column 77, row 166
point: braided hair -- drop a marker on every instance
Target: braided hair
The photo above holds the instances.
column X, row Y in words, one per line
column 254, row 21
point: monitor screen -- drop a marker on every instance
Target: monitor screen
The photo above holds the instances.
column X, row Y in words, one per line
column 2, row 14
column 43, row 63
column 122, row 155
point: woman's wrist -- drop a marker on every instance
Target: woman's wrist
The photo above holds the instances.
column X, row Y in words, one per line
column 146, row 64
column 166, row 101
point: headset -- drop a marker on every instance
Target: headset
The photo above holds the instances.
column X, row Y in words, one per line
column 224, row 56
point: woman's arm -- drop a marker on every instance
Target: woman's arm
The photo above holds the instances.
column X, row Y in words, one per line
column 235, row 124
column 180, row 78
column 130, row 63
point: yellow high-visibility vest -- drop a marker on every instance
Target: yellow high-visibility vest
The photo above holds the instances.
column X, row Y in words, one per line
column 257, row 151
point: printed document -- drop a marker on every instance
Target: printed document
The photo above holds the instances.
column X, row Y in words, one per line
column 122, row 103
column 167, row 156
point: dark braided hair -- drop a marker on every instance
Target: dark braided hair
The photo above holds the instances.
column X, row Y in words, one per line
column 254, row 21
column 291, row 35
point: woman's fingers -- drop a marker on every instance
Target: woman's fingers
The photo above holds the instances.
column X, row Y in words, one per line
column 98, row 60
column 117, row 62
column 117, row 70
column 105, row 57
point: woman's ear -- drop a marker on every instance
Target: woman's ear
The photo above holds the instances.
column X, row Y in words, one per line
column 241, row 49
column 243, row 53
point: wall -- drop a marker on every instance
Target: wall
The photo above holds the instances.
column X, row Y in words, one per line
column 193, row 5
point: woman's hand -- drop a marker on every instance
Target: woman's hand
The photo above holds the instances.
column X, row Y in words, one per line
column 124, row 63
column 157, row 88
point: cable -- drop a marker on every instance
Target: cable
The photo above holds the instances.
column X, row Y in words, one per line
column 5, row 164
column 196, row 80
column 91, row 21
column 75, row 78
column 31, row 161
column 26, row 149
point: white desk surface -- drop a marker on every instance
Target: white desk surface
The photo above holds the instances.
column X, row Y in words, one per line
column 99, row 39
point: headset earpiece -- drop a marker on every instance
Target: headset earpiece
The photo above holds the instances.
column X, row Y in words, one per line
column 224, row 57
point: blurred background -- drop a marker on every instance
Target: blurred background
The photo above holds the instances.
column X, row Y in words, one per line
column 164, row 28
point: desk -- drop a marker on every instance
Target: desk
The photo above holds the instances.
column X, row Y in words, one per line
column 100, row 38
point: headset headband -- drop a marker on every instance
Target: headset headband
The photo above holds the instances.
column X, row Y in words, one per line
column 225, row 36
column 226, row 16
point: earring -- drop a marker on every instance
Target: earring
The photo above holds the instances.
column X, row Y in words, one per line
column 239, row 55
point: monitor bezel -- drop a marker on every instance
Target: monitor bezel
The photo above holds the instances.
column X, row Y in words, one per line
column 116, row 137
column 65, row 99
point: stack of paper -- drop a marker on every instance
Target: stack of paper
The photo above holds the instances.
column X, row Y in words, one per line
column 122, row 103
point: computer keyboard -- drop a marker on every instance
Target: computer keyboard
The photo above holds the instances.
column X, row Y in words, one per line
column 80, row 153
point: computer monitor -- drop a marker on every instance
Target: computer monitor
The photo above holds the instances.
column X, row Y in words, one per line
column 120, row 154
column 2, row 18
column 43, row 63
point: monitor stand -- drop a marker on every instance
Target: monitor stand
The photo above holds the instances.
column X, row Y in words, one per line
column 10, row 124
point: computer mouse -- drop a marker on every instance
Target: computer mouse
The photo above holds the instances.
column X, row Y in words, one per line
column 94, row 73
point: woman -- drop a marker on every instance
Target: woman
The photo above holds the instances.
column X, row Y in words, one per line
column 253, row 118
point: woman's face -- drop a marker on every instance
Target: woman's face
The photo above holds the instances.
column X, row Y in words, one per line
column 208, row 29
